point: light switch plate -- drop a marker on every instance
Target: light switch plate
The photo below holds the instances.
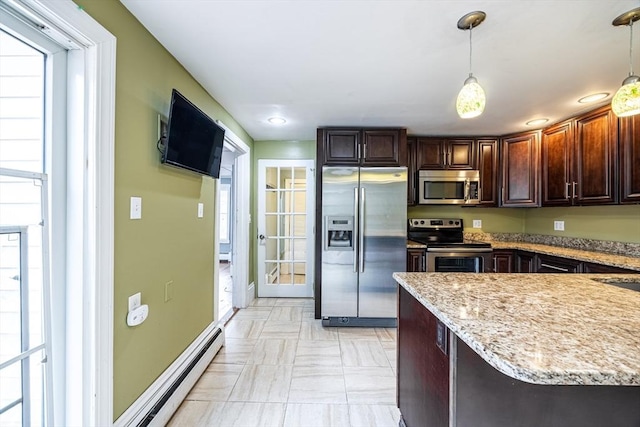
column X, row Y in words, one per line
column 558, row 225
column 136, row 208
column 477, row 223
column 200, row 210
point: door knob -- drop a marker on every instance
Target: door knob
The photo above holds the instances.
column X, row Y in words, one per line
column 261, row 237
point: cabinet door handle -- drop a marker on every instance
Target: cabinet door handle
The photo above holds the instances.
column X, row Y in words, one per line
column 444, row 157
column 449, row 157
column 424, row 262
column 364, row 154
column 575, row 186
column 553, row 267
column 567, row 190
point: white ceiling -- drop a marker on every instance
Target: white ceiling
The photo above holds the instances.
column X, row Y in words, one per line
column 393, row 63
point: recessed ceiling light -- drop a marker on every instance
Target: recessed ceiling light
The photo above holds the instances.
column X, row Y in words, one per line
column 593, row 97
column 276, row 120
column 536, row 122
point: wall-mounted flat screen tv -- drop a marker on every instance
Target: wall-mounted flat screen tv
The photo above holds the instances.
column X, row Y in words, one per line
column 194, row 141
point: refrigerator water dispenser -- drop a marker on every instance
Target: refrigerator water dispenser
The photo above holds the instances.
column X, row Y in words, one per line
column 339, row 233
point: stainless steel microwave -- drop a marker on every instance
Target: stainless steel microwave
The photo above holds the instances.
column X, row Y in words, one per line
column 449, row 187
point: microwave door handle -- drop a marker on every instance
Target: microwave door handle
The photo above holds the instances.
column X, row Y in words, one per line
column 356, row 229
column 467, row 190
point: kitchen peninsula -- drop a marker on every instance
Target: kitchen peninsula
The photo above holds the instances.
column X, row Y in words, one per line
column 518, row 350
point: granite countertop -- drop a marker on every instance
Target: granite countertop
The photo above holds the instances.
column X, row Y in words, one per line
column 560, row 329
column 611, row 259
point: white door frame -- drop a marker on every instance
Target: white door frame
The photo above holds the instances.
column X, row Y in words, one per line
column 89, row 401
column 309, row 164
column 243, row 291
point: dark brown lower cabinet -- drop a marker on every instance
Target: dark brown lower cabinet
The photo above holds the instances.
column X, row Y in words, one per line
column 525, row 262
column 589, row 267
column 517, row 261
column 423, row 369
column 503, row 261
column 553, row 264
column 416, row 261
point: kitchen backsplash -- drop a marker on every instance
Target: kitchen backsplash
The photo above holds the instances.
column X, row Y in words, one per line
column 620, row 248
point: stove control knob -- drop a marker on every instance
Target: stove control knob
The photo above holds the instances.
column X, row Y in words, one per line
column 422, row 222
column 457, row 222
column 451, row 222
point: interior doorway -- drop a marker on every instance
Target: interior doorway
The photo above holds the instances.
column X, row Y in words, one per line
column 226, row 217
column 232, row 289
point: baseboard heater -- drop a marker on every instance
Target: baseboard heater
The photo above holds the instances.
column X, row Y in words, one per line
column 159, row 402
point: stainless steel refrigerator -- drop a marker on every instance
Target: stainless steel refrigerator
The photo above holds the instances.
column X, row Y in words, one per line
column 364, row 212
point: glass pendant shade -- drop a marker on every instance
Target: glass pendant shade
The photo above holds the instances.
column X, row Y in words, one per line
column 471, row 99
column 626, row 101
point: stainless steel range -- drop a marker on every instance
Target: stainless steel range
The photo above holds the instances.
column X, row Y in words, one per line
column 446, row 249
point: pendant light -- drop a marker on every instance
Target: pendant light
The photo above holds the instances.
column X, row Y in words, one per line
column 626, row 101
column 471, row 99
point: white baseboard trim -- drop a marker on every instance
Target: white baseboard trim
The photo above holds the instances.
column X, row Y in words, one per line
column 251, row 293
column 173, row 385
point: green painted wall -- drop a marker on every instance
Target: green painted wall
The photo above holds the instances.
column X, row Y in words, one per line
column 169, row 243
column 286, row 150
column 494, row 220
column 617, row 223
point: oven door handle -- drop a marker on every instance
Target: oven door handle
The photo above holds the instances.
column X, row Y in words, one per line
column 460, row 251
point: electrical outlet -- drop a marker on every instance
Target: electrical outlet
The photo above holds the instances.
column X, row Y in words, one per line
column 558, row 225
column 168, row 291
column 136, row 208
column 200, row 210
column 477, row 223
column 135, row 301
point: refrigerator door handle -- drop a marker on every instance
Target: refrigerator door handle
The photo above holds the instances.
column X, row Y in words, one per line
column 356, row 229
column 361, row 231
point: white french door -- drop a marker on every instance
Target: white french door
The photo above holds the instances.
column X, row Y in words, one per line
column 286, row 201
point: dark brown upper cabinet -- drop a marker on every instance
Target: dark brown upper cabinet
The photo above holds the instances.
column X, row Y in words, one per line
column 596, row 157
column 441, row 153
column 363, row 147
column 579, row 160
column 556, row 151
column 340, row 146
column 488, row 166
column 629, row 135
column 520, row 164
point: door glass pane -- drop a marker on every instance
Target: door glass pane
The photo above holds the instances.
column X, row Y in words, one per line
column 300, row 174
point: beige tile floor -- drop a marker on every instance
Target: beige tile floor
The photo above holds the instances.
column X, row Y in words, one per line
column 281, row 368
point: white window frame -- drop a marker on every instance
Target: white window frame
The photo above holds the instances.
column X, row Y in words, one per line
column 89, row 401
